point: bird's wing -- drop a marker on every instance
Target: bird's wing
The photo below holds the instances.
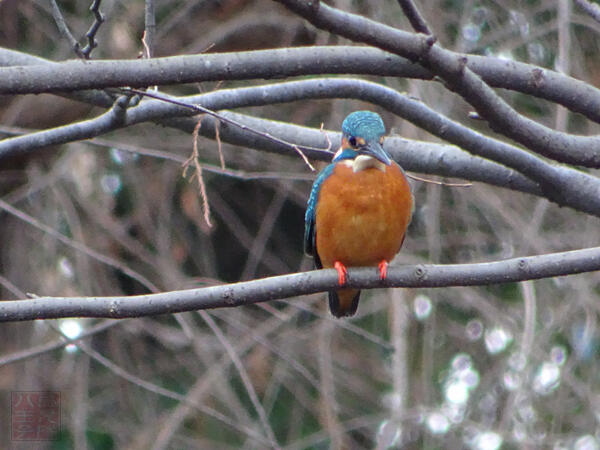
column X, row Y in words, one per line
column 310, row 241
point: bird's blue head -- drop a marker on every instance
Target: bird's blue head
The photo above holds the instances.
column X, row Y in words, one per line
column 363, row 132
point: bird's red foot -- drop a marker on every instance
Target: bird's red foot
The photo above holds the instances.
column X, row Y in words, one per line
column 342, row 272
column 383, row 265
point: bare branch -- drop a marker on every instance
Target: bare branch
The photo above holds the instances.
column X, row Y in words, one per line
column 590, row 8
column 55, row 345
column 64, row 28
column 417, row 156
column 224, row 119
column 150, row 28
column 424, row 157
column 247, row 382
column 564, row 186
column 138, row 210
column 415, row 18
column 69, row 76
column 453, row 69
column 91, row 33
column 194, row 160
column 159, row 390
column 110, row 120
column 286, row 286
column 79, row 246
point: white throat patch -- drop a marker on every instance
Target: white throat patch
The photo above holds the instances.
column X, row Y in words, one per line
column 362, row 162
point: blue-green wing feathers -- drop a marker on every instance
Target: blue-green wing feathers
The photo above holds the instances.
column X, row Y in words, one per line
column 310, row 242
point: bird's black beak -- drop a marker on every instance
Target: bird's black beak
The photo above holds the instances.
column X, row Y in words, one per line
column 375, row 149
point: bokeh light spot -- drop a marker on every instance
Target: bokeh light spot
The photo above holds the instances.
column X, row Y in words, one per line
column 547, row 378
column 586, row 442
column 438, row 423
column 422, row 307
column 497, row 339
column 474, row 329
column 487, row 441
column 65, row 268
column 471, row 32
column 111, row 183
column 71, row 328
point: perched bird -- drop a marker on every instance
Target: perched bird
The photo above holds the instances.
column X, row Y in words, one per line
column 359, row 208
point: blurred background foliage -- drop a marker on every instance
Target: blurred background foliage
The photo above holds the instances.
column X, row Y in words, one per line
column 511, row 366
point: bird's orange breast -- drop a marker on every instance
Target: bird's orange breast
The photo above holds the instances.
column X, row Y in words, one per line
column 361, row 217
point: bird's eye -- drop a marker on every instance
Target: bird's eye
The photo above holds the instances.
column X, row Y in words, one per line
column 352, row 141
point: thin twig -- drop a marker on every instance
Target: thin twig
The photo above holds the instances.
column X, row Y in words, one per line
column 150, row 28
column 194, row 159
column 524, row 352
column 159, row 390
column 64, row 29
column 330, row 407
column 329, row 143
column 273, row 347
column 439, row 183
column 246, row 381
column 219, row 144
column 205, row 385
column 246, row 175
column 55, row 345
column 224, row 119
column 146, row 53
column 91, row 33
column 563, row 58
column 79, row 246
column 148, row 36
column 414, row 16
column 11, row 287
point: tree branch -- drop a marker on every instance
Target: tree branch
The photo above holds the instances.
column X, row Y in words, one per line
column 91, row 33
column 64, row 28
column 76, row 75
column 453, row 69
column 38, row 350
column 416, row 19
column 417, row 156
column 108, row 121
column 592, row 9
column 150, row 27
column 564, row 186
column 286, row 286
column 79, row 246
column 14, row 58
column 52, row 77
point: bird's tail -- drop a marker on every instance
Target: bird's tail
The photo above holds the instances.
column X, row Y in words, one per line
column 343, row 302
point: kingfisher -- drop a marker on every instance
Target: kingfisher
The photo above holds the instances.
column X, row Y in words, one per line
column 359, row 208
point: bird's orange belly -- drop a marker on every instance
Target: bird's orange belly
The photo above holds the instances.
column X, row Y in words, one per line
column 361, row 218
